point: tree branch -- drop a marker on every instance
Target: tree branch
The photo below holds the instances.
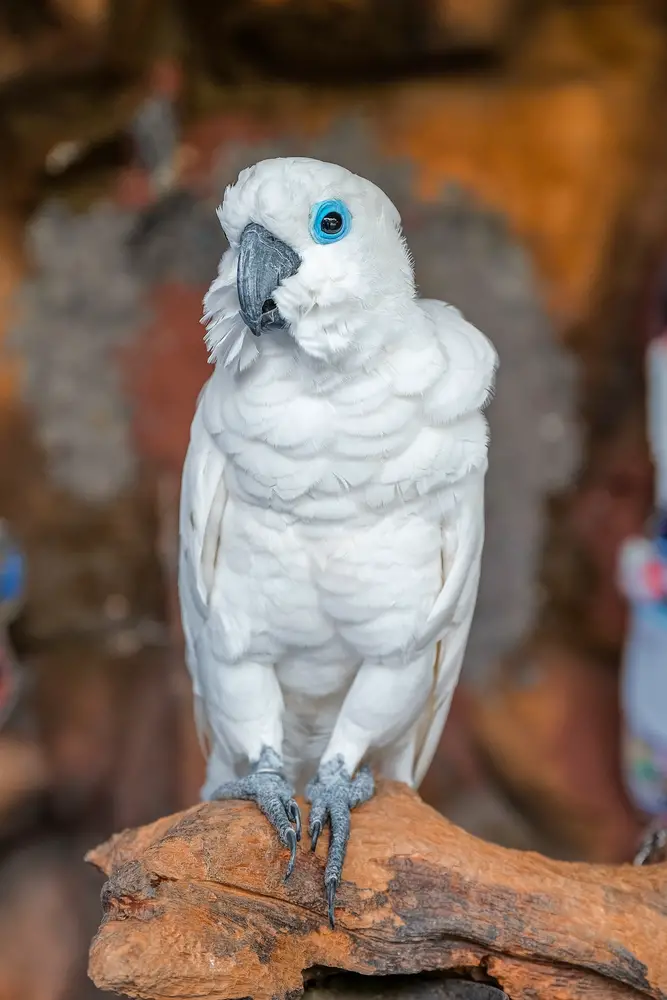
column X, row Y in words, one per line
column 195, row 906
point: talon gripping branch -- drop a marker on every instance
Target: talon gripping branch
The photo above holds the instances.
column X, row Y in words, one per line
column 11, row 592
column 643, row 577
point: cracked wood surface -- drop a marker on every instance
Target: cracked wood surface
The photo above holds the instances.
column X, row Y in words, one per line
column 195, row 906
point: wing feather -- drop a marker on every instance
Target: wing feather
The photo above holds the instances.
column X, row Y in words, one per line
column 203, row 501
column 448, row 624
column 465, row 388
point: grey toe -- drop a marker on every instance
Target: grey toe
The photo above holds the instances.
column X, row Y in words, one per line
column 267, row 786
column 332, row 794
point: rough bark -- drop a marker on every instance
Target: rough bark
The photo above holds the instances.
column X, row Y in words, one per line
column 195, row 906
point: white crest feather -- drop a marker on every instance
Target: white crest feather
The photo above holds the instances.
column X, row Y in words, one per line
column 226, row 333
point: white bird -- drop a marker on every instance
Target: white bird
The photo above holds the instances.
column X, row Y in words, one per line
column 332, row 506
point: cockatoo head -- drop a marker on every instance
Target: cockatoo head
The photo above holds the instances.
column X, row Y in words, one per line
column 315, row 251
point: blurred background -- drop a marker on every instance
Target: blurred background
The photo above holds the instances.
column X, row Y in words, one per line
column 525, row 144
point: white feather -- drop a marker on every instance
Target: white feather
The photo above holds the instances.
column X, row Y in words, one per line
column 332, row 514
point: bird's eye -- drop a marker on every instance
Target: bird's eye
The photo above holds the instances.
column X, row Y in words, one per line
column 329, row 221
column 332, row 223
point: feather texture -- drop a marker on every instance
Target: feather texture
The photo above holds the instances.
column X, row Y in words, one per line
column 332, row 514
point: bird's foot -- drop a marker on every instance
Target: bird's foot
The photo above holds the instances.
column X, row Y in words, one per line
column 267, row 786
column 653, row 846
column 332, row 794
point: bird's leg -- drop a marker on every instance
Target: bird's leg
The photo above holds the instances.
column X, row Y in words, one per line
column 244, row 706
column 332, row 794
column 267, row 786
column 383, row 703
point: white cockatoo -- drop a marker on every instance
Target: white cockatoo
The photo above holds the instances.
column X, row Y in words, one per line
column 332, row 507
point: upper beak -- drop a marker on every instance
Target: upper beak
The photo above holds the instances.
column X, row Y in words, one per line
column 264, row 262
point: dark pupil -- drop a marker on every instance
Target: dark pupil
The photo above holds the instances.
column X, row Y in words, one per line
column 332, row 222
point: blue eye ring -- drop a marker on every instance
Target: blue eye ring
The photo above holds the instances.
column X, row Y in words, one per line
column 330, row 221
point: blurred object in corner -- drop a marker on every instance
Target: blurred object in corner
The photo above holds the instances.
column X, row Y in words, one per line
column 23, row 768
column 643, row 578
column 11, row 594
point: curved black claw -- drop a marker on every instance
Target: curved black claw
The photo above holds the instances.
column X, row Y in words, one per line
column 266, row 785
column 291, row 839
column 331, row 900
column 332, row 794
column 295, row 817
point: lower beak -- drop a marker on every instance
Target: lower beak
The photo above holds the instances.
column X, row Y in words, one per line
column 264, row 262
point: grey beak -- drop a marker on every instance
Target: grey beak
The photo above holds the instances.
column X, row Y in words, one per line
column 264, row 262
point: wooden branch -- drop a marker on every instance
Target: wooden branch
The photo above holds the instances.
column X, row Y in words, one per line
column 195, row 906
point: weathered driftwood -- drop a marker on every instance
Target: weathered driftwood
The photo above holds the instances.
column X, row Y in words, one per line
column 195, row 906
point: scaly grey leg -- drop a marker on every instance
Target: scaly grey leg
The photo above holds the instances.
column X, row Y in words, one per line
column 332, row 794
column 267, row 786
